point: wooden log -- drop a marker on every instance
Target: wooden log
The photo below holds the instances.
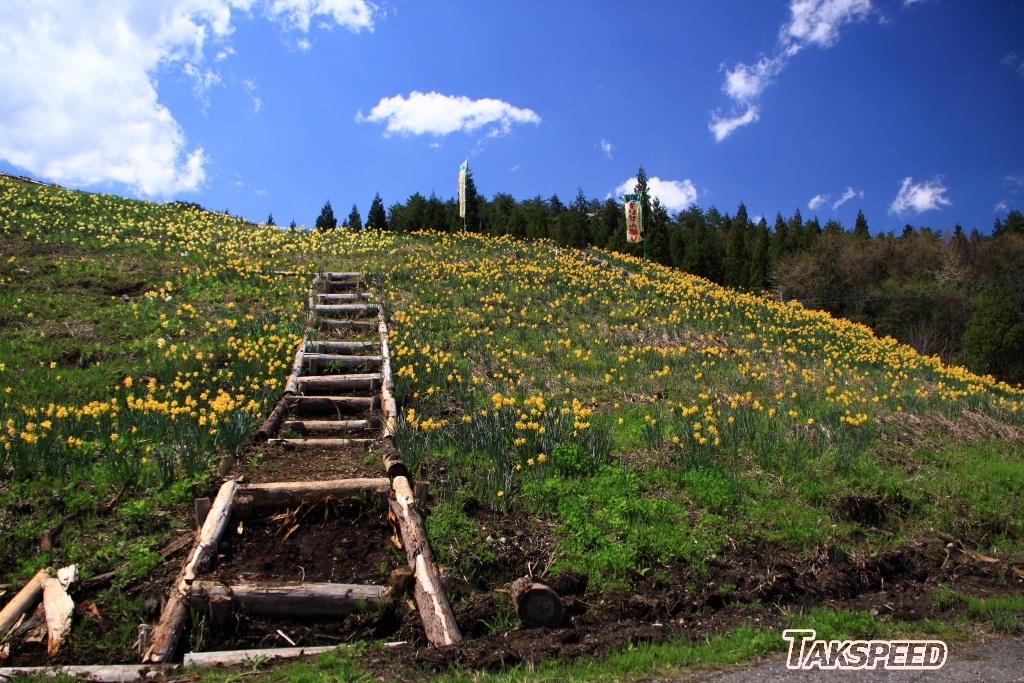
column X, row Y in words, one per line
column 101, row 673
column 342, row 277
column 237, row 657
column 339, row 359
column 337, row 324
column 438, row 620
column 320, row 443
column 289, row 493
column 273, row 422
column 536, row 603
column 324, row 427
column 346, row 309
column 22, row 602
column 288, row 600
column 165, row 636
column 387, row 393
column 348, row 297
column 293, row 376
column 58, row 607
column 336, row 404
column 353, row 382
column 394, row 465
column 351, row 347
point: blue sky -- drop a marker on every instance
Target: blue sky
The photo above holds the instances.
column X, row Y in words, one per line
column 911, row 110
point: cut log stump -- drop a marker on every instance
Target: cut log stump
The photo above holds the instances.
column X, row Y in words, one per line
column 536, row 603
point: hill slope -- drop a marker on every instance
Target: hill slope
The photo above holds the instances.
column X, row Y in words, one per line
column 661, row 448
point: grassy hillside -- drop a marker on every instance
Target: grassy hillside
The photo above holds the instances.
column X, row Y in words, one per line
column 661, row 439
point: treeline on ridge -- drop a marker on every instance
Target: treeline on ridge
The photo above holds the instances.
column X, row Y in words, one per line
column 956, row 295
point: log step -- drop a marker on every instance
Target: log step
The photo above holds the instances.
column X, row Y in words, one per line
column 322, row 443
column 353, row 382
column 339, row 359
column 333, row 323
column 327, row 427
column 346, row 298
column 281, row 493
column 333, row 404
column 342, row 277
column 284, row 600
column 346, row 309
column 346, row 347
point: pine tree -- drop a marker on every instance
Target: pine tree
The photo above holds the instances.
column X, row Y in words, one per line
column 326, row 220
column 376, row 219
column 860, row 227
column 472, row 204
column 355, row 221
column 293, row 226
column 270, row 220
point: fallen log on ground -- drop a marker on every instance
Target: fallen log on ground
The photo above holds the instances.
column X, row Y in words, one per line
column 537, row 604
column 287, row 600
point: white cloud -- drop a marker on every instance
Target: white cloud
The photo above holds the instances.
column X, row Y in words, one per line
column 1002, row 206
column 606, row 147
column 354, row 15
column 849, row 194
column 812, row 22
column 1014, row 61
column 79, row 82
column 675, row 195
column 436, row 114
column 723, row 127
column 817, row 201
column 920, row 197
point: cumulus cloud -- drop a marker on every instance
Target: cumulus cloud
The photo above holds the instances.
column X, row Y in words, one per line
column 606, row 147
column 817, row 201
column 919, row 197
column 849, row 194
column 436, row 114
column 812, row 22
column 675, row 195
column 354, row 15
column 79, row 83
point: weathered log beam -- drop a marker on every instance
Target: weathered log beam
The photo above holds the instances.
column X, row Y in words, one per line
column 355, row 381
column 346, row 309
column 340, row 359
column 324, row 427
column 273, row 422
column 349, row 347
column 236, row 657
column 101, row 673
column 288, row 493
column 320, row 443
column 336, row 404
column 438, row 620
column 348, row 297
column 347, row 324
column 164, row 638
column 288, row 600
column 22, row 602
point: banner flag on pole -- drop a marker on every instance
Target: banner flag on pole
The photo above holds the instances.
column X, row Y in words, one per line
column 634, row 221
column 463, row 169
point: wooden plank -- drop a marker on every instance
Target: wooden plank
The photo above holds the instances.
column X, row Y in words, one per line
column 347, row 309
column 343, row 298
column 438, row 619
column 347, row 324
column 339, row 359
column 288, row 600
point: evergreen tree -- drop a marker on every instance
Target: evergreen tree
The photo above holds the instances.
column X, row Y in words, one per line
column 355, row 221
column 292, row 226
column 993, row 341
column 860, row 227
column 473, row 222
column 326, row 220
column 736, row 264
column 270, row 220
column 376, row 218
column 759, row 262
